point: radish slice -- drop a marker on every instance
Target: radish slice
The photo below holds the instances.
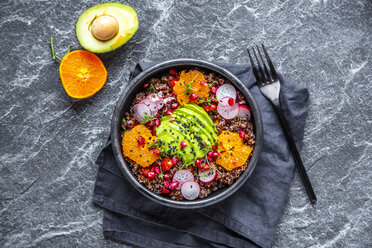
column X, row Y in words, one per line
column 160, row 104
column 226, row 90
column 153, row 97
column 225, row 110
column 183, row 176
column 140, row 111
column 152, row 105
column 244, row 112
column 190, row 190
column 207, row 176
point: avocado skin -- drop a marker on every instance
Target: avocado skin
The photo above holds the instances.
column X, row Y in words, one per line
column 192, row 125
column 124, row 14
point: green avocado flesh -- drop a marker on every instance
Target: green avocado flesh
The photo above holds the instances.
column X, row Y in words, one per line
column 191, row 125
column 128, row 24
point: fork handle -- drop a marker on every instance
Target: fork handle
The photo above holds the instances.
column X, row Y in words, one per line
column 295, row 153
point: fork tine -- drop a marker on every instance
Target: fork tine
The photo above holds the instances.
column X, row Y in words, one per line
column 272, row 69
column 255, row 72
column 259, row 66
column 264, row 65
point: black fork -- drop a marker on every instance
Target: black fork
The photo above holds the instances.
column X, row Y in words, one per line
column 269, row 84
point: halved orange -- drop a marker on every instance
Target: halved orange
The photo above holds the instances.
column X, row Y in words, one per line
column 141, row 154
column 82, row 74
column 233, row 152
column 193, row 79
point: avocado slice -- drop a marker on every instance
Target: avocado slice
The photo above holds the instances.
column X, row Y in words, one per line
column 200, row 111
column 192, row 125
column 107, row 26
column 171, row 135
column 184, row 117
column 201, row 123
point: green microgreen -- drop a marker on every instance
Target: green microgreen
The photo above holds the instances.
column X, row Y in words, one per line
column 152, row 87
column 188, row 89
column 147, row 118
column 123, row 121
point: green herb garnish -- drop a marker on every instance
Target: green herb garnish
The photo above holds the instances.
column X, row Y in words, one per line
column 188, row 89
column 147, row 118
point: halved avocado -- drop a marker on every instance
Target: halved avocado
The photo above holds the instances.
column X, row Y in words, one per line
column 107, row 26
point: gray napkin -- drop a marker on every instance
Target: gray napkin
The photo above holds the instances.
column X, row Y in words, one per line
column 246, row 219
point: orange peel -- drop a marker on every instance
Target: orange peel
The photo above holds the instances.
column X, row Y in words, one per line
column 141, row 154
column 192, row 79
column 233, row 152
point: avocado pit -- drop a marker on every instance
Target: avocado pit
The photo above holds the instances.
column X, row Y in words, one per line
column 104, row 27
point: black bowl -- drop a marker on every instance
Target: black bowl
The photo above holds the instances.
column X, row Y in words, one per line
column 125, row 102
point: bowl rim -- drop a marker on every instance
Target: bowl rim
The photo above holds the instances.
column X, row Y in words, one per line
column 131, row 88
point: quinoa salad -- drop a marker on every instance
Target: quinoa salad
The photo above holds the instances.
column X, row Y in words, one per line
column 187, row 134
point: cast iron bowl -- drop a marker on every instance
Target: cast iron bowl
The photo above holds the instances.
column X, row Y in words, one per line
column 125, row 102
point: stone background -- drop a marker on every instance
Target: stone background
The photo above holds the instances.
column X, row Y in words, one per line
column 49, row 142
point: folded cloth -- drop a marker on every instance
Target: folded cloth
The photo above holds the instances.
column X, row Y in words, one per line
column 248, row 218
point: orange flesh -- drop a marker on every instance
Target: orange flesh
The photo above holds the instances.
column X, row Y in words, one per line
column 142, row 155
column 233, row 152
column 82, row 74
column 193, row 78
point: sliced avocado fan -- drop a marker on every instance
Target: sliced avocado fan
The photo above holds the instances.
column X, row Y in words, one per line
column 191, row 124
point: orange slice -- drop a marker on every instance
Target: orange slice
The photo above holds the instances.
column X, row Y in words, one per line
column 141, row 154
column 82, row 74
column 190, row 83
column 233, row 152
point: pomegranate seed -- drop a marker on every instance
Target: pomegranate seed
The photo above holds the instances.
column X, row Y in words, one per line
column 157, row 122
column 166, row 176
column 165, row 191
column 157, row 170
column 141, row 141
column 214, row 148
column 197, row 162
column 153, row 132
column 206, row 167
column 175, row 105
column 152, row 169
column 168, row 112
column 183, row 144
column 151, row 175
column 210, row 159
column 213, row 106
column 216, row 154
column 145, row 171
column 242, row 134
column 150, row 123
column 174, row 160
column 146, row 85
column 173, row 82
column 203, row 83
column 231, row 102
column 214, row 89
column 203, row 161
column 166, row 184
column 173, row 72
column 174, row 185
column 156, row 152
column 191, row 168
column 210, row 154
column 193, row 96
column 172, row 119
column 157, row 115
column 234, row 162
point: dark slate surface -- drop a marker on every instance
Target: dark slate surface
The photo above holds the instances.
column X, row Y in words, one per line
column 49, row 142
